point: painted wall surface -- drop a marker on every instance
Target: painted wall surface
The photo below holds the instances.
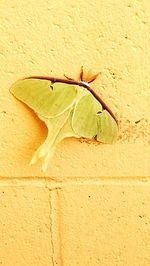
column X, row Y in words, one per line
column 91, row 207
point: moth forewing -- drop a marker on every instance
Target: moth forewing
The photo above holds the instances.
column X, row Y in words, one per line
column 39, row 96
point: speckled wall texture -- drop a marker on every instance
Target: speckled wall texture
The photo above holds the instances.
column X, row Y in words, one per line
column 91, row 207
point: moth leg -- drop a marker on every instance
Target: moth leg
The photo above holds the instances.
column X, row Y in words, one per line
column 68, row 77
column 51, row 86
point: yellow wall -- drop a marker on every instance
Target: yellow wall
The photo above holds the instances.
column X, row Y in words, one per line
column 91, row 207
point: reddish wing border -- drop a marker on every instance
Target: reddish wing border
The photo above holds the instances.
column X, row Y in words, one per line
column 78, row 83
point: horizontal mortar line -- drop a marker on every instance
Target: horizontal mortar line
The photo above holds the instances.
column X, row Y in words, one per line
column 62, row 179
column 52, row 184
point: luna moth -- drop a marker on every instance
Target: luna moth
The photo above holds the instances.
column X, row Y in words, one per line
column 69, row 108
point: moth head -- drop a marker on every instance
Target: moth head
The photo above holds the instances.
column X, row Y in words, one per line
column 87, row 76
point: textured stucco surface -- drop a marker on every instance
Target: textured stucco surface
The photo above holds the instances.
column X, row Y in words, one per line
column 51, row 38
column 49, row 219
column 105, row 226
column 25, row 231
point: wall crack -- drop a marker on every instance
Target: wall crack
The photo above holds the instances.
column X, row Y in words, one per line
column 51, row 229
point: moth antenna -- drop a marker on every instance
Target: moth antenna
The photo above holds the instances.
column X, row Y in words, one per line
column 88, row 75
column 93, row 77
column 81, row 74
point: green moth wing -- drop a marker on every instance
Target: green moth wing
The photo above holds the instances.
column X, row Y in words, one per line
column 47, row 148
column 67, row 130
column 107, row 128
column 84, row 120
column 44, row 97
column 59, row 128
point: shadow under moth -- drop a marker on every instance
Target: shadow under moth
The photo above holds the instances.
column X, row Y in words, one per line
column 69, row 108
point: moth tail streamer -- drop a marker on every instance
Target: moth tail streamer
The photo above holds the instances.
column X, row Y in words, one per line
column 44, row 152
